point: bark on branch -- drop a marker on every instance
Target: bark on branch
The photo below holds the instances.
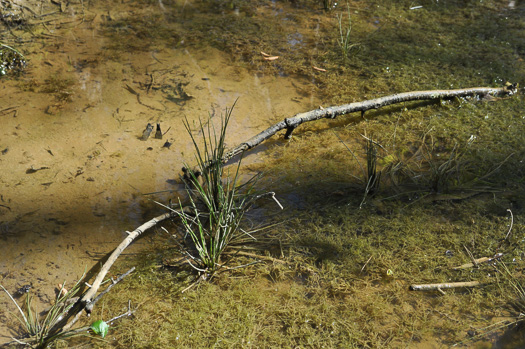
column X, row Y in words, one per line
column 434, row 287
column 331, row 113
column 88, row 297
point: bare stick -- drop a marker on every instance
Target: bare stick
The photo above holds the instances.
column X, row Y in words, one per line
column 90, row 294
column 128, row 313
column 247, row 254
column 86, row 328
column 331, row 113
column 476, row 262
column 438, row 287
column 89, row 306
column 511, row 223
column 364, row 266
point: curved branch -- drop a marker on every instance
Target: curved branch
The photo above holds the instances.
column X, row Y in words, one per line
column 331, row 113
column 87, row 298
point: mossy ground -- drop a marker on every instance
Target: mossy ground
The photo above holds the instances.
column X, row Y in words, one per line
column 347, row 269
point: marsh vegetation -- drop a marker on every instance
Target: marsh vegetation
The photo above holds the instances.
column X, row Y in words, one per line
column 373, row 204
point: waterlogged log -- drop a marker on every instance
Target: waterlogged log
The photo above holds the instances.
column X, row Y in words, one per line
column 332, row 112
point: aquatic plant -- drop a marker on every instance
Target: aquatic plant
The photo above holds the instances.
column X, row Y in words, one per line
column 344, row 33
column 39, row 332
column 327, row 4
column 371, row 177
column 217, row 205
column 60, row 86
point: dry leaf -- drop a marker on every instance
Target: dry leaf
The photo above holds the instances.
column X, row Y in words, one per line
column 62, row 290
column 318, row 69
column 265, row 54
column 271, row 58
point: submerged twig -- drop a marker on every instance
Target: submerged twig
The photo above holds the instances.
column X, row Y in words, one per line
column 253, row 255
column 476, row 262
column 511, row 224
column 437, row 287
column 89, row 307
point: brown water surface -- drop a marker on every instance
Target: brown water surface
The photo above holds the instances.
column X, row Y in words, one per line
column 74, row 166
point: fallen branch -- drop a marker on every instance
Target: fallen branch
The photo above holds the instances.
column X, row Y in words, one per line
column 253, row 255
column 475, row 262
column 89, row 306
column 331, row 113
column 88, row 297
column 439, row 287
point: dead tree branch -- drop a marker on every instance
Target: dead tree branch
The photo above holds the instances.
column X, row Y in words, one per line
column 331, row 113
column 438, row 287
column 88, row 297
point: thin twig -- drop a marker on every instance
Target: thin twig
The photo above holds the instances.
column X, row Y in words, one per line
column 437, row 287
column 247, row 254
column 511, row 223
column 478, row 261
column 89, row 307
column 364, row 266
column 128, row 313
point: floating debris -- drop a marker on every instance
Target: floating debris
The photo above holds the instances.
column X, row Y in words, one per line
column 268, row 57
column 33, row 170
column 158, row 132
column 11, row 61
column 22, row 290
column 147, row 132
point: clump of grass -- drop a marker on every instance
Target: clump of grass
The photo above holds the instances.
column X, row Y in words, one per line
column 371, row 177
column 40, row 332
column 345, row 30
column 217, row 205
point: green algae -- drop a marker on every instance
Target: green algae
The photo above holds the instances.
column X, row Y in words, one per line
column 60, row 85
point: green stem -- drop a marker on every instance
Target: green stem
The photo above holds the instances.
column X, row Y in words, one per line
column 12, row 49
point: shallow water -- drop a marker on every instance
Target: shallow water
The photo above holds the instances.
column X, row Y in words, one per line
column 73, row 165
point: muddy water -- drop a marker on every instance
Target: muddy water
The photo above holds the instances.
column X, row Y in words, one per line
column 74, row 167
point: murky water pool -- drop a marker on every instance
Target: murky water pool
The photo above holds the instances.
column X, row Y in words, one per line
column 74, row 163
